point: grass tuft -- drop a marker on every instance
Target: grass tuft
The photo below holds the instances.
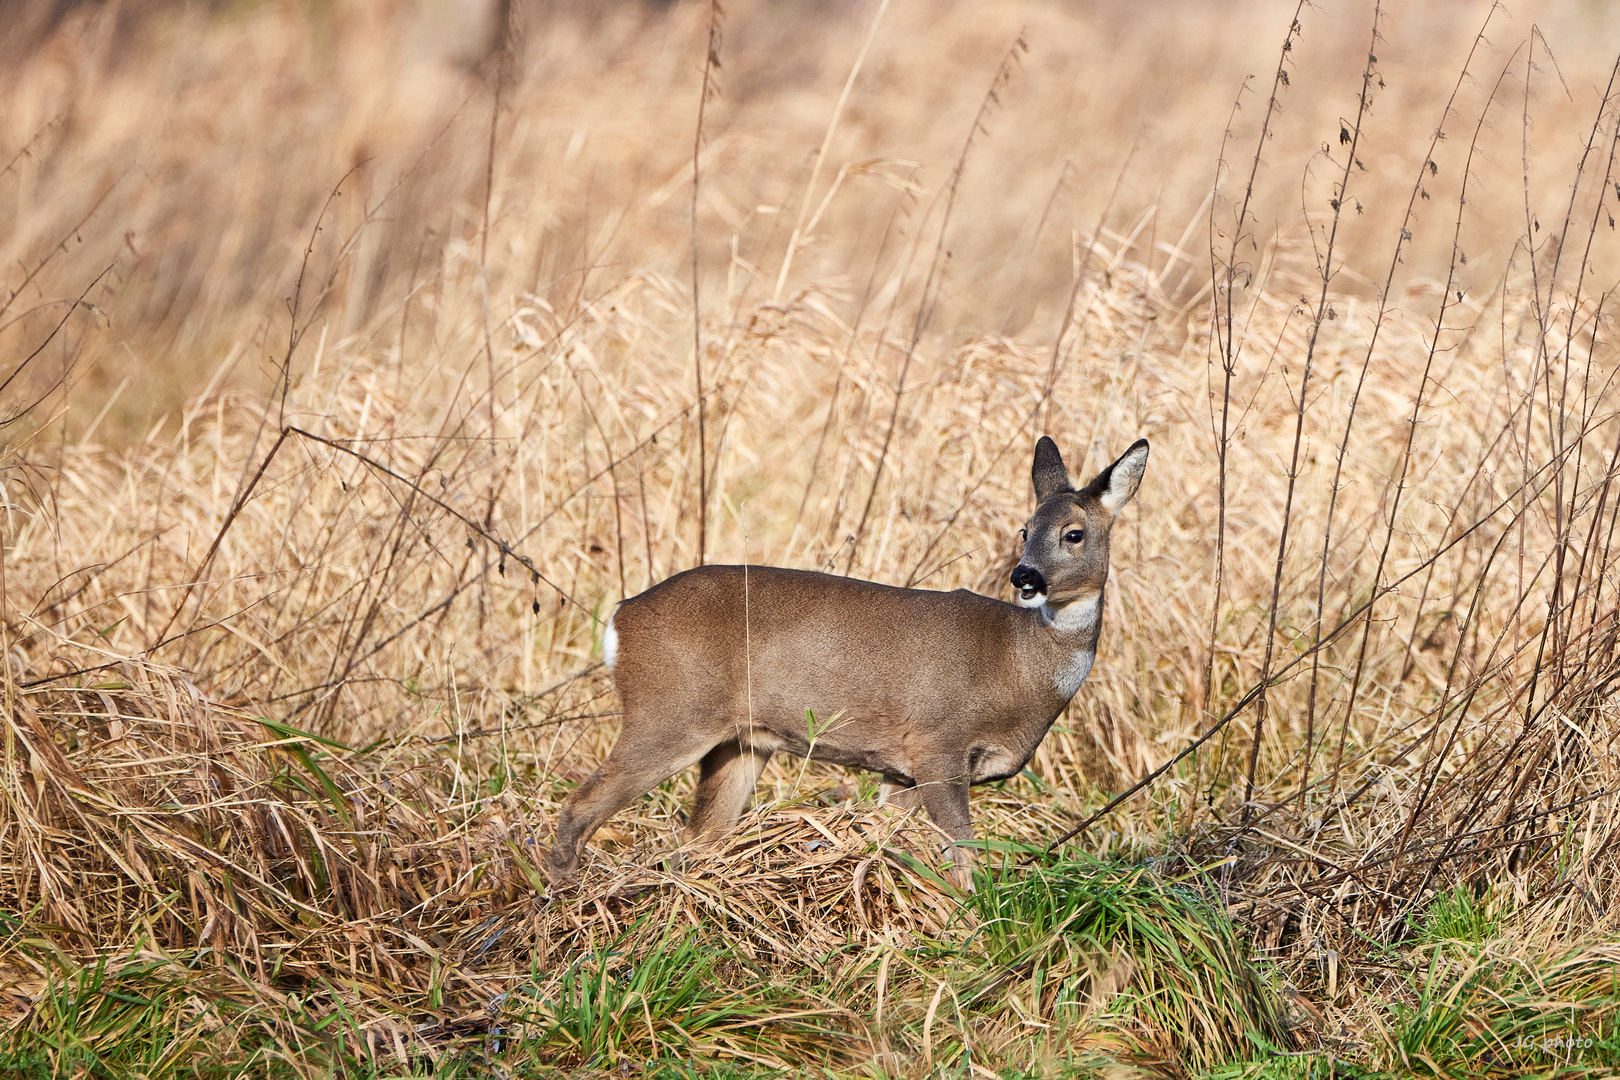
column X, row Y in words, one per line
column 1081, row 944
column 1458, row 915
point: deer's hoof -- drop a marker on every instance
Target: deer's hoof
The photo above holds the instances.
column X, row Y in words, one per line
column 564, row 876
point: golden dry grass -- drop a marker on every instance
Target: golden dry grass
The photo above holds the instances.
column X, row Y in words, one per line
column 488, row 434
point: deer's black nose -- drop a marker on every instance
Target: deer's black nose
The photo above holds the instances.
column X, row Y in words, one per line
column 1028, row 580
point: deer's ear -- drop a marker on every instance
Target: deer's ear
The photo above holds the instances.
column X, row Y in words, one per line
column 1049, row 475
column 1116, row 485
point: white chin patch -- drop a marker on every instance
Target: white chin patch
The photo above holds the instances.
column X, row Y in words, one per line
column 1030, row 599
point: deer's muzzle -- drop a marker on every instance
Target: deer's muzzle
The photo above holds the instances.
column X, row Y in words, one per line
column 1028, row 581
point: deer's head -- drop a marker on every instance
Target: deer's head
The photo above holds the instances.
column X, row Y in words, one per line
column 1065, row 557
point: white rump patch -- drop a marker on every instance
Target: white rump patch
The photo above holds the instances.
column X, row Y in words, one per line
column 610, row 642
column 1075, row 616
column 1072, row 674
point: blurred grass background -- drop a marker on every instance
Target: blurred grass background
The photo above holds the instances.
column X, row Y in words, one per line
column 191, row 147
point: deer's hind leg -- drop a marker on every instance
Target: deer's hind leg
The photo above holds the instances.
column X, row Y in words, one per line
column 899, row 793
column 727, row 778
column 637, row 764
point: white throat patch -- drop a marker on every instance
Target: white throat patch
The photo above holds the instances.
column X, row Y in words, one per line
column 1072, row 674
column 1075, row 616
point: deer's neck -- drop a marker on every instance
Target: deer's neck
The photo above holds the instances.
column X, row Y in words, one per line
column 1078, row 620
column 1072, row 630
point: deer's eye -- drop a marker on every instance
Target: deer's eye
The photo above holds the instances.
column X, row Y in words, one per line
column 1074, row 536
column 1023, row 534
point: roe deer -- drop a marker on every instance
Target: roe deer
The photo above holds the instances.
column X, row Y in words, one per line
column 726, row 665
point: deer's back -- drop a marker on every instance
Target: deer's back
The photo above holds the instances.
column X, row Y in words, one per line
column 779, row 642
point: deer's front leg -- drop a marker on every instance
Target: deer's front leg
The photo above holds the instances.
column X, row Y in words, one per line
column 946, row 798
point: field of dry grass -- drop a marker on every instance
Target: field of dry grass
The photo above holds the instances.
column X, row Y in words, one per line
column 361, row 356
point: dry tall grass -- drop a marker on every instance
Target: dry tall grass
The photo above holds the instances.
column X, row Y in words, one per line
column 380, row 390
